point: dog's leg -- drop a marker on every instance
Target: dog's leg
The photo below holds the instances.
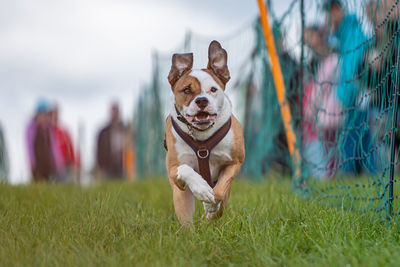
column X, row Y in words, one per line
column 183, row 204
column 187, row 184
column 223, row 189
column 217, row 211
column 182, row 197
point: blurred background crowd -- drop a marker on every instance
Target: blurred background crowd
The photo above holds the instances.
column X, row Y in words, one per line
column 53, row 157
column 339, row 72
column 347, row 89
column 352, row 82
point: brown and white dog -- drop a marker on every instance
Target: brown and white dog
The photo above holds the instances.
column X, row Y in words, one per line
column 201, row 109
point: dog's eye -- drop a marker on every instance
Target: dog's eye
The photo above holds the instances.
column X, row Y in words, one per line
column 213, row 89
column 187, row 91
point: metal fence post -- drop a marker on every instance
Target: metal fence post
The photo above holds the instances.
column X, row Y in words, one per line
column 301, row 92
column 280, row 91
column 394, row 129
column 188, row 41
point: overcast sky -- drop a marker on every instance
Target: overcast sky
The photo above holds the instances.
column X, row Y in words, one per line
column 85, row 53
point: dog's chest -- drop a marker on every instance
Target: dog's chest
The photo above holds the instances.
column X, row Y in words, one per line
column 219, row 157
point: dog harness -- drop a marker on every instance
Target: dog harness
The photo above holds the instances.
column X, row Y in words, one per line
column 203, row 149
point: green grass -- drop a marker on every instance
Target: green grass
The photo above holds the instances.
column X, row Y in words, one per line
column 134, row 224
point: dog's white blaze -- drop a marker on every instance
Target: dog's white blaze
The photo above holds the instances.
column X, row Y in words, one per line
column 205, row 79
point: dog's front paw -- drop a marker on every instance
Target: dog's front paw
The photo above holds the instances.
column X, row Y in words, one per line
column 211, row 207
column 210, row 216
column 199, row 187
column 202, row 191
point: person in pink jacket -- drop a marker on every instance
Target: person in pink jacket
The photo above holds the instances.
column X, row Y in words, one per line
column 322, row 109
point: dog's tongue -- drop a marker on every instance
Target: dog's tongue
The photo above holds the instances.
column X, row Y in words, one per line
column 189, row 118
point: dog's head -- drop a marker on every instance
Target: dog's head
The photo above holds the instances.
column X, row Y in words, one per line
column 199, row 94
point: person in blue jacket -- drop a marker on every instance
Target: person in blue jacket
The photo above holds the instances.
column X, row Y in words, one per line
column 346, row 37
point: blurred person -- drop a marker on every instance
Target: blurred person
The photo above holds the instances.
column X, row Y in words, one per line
column 378, row 11
column 345, row 33
column 321, row 107
column 383, row 52
column 63, row 149
column 30, row 134
column 313, row 37
column 39, row 144
column 110, row 147
column 4, row 165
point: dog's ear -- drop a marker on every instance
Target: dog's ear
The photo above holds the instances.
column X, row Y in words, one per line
column 180, row 64
column 217, row 61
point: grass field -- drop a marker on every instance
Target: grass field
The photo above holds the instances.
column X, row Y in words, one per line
column 134, row 225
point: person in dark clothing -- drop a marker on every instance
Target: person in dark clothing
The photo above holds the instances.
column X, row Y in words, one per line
column 110, row 147
column 45, row 167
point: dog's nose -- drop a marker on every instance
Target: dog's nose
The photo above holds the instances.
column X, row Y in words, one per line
column 202, row 102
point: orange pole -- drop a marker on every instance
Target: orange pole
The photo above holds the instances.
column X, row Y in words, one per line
column 280, row 88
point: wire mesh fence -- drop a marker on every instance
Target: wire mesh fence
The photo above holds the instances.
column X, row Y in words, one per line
column 352, row 111
column 340, row 64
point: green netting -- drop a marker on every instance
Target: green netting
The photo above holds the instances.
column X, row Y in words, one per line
column 3, row 158
column 355, row 138
column 341, row 84
column 149, row 127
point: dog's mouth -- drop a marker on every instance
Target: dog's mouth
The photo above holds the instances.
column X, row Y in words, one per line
column 201, row 118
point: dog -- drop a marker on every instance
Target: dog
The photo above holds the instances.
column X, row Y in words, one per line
column 204, row 141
